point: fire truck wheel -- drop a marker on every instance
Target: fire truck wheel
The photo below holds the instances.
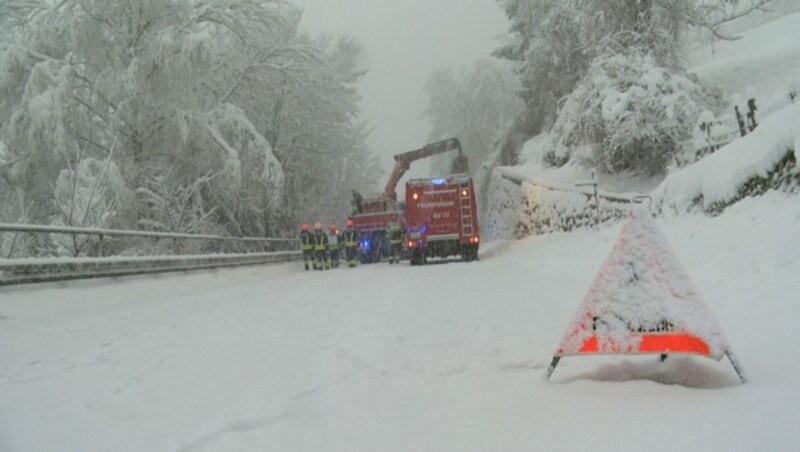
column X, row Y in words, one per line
column 417, row 257
column 470, row 253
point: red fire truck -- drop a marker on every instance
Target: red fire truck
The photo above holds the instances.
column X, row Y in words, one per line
column 372, row 214
column 441, row 218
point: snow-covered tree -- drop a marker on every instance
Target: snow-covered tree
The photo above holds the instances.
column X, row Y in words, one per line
column 87, row 195
column 316, row 135
column 475, row 106
column 183, row 89
column 553, row 44
column 628, row 113
column 171, row 208
column 548, row 56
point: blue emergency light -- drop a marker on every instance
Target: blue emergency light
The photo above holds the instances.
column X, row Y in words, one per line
column 439, row 181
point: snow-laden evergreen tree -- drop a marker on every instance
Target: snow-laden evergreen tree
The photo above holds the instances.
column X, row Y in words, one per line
column 556, row 45
column 477, row 106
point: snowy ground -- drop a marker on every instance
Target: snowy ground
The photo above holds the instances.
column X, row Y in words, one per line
column 764, row 63
column 445, row 357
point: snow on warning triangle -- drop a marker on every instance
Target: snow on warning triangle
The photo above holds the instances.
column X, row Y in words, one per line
column 642, row 301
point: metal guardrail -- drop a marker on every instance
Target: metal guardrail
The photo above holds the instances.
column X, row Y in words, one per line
column 101, row 233
column 519, row 178
column 25, row 271
column 10, row 227
column 33, row 270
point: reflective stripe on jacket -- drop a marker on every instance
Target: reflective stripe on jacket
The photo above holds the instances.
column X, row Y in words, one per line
column 306, row 241
column 320, row 241
column 349, row 237
column 395, row 234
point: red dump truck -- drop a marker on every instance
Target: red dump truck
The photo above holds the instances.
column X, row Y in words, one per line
column 441, row 218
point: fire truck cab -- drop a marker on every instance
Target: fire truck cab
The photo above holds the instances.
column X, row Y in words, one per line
column 441, row 218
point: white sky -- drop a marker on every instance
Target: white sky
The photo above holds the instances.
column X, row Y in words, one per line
column 403, row 42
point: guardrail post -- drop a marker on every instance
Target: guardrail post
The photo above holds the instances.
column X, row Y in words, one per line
column 751, row 114
column 640, row 198
column 593, row 184
column 102, row 250
column 740, row 121
column 75, row 245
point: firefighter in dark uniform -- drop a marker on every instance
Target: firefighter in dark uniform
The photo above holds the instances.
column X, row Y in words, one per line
column 307, row 245
column 334, row 243
column 350, row 241
column 320, row 248
column 395, row 236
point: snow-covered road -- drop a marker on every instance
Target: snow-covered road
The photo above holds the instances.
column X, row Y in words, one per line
column 395, row 358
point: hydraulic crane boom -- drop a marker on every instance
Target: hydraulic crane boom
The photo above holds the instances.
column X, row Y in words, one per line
column 402, row 162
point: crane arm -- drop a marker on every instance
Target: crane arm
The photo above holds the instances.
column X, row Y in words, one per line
column 402, row 162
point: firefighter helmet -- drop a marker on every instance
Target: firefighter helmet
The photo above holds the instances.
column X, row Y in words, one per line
column 304, row 227
column 317, row 227
column 349, row 223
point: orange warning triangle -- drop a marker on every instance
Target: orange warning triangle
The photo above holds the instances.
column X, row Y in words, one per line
column 643, row 302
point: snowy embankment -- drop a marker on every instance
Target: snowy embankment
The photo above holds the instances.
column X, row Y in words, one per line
column 395, row 358
column 719, row 177
column 764, row 64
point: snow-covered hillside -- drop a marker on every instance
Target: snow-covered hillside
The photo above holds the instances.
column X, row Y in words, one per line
column 764, row 63
column 442, row 357
column 718, row 177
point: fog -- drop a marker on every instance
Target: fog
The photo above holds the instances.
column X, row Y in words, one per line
column 403, row 42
